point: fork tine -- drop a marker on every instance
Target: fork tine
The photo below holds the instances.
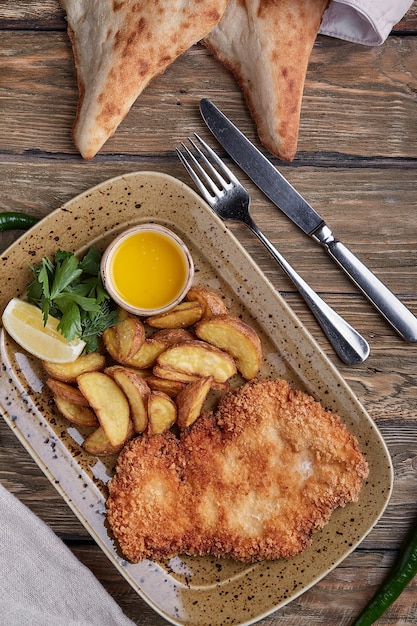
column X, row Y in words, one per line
column 215, row 185
column 199, row 184
column 207, row 163
column 222, row 167
column 216, row 190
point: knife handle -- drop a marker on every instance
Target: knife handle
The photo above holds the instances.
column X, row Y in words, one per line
column 394, row 311
column 348, row 344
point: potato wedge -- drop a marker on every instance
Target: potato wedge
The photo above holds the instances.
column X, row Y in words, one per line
column 67, row 392
column 234, row 336
column 198, row 358
column 137, row 392
column 173, row 335
column 162, row 413
column 211, row 301
column 76, row 413
column 68, row 372
column 142, row 373
column 169, row 373
column 183, row 315
column 98, row 444
column 148, row 354
column 130, row 336
column 190, row 401
column 170, row 387
column 122, row 314
column 109, row 403
column 110, row 342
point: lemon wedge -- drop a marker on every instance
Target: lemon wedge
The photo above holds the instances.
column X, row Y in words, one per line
column 24, row 323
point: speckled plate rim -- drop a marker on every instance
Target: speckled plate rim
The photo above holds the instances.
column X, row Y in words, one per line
column 295, row 355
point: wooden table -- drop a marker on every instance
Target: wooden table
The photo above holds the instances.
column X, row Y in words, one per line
column 356, row 163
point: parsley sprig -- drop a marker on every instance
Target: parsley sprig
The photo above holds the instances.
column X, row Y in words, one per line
column 71, row 290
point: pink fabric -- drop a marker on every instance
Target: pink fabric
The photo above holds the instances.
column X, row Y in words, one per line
column 368, row 22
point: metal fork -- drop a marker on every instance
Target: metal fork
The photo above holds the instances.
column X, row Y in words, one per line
column 229, row 200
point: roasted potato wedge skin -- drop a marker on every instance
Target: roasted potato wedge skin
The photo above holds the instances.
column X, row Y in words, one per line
column 68, row 372
column 124, row 339
column 181, row 316
column 67, row 391
column 171, row 336
column 139, row 372
column 98, row 443
column 199, row 358
column 147, row 355
column 170, row 373
column 212, row 303
column 76, row 413
column 109, row 404
column 137, row 392
column 110, row 342
column 171, row 387
column 130, row 336
column 122, row 314
column 162, row 413
column 190, row 401
column 234, row 336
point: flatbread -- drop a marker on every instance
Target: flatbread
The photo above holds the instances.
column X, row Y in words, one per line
column 119, row 46
column 267, row 45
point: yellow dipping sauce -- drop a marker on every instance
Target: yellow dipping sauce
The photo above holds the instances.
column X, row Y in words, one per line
column 147, row 269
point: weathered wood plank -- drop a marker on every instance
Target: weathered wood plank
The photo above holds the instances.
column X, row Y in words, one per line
column 34, row 14
column 341, row 195
column 357, row 100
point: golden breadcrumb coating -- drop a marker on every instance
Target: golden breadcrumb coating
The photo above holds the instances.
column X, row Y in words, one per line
column 251, row 481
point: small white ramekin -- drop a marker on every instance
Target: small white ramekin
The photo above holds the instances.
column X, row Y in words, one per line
column 109, row 279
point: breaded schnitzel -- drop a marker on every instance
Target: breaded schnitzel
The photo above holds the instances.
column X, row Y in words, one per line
column 251, row 481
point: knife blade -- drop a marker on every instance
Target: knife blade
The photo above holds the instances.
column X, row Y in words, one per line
column 280, row 191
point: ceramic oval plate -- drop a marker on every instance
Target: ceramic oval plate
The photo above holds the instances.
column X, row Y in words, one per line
column 185, row 590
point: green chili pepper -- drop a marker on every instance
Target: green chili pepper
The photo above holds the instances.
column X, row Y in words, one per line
column 14, row 220
column 402, row 572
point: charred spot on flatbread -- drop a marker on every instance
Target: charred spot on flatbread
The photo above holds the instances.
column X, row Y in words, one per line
column 119, row 47
column 267, row 44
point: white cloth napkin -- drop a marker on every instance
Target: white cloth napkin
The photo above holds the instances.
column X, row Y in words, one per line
column 368, row 22
column 42, row 583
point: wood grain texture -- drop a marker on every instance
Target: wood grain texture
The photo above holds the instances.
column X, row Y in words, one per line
column 356, row 99
column 356, row 164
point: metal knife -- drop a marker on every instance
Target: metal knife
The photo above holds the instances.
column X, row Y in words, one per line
column 273, row 184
